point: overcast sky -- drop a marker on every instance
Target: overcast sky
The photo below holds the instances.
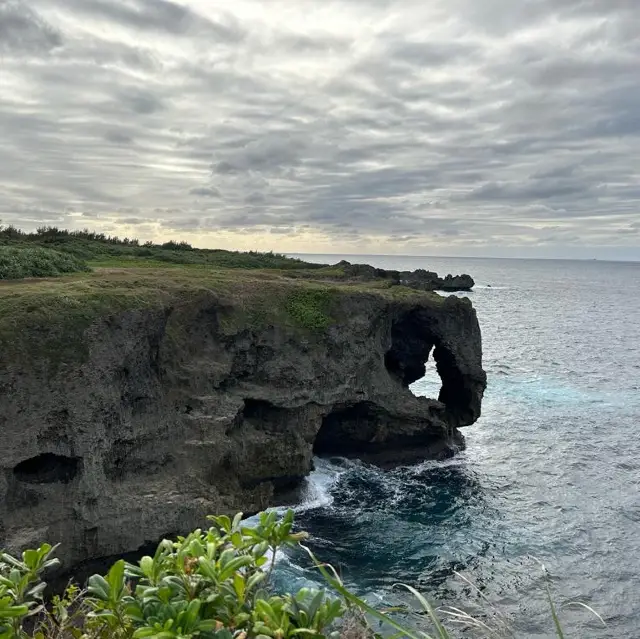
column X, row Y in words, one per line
column 453, row 127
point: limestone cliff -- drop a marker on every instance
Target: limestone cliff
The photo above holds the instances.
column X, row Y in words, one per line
column 132, row 406
column 419, row 279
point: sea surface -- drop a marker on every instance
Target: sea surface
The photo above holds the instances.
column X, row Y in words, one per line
column 551, row 474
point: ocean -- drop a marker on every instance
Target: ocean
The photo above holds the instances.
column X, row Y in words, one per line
column 550, row 476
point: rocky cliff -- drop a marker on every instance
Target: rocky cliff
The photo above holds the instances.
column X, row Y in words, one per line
column 420, row 279
column 132, row 405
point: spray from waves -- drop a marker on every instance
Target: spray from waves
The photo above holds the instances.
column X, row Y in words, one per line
column 317, row 490
column 316, row 494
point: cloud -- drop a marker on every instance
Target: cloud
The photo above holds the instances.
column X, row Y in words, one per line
column 118, row 137
column 395, row 125
column 205, row 191
column 24, row 31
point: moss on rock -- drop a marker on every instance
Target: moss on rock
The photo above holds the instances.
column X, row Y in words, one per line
column 310, row 308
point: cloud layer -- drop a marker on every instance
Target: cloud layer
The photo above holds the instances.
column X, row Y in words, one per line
column 395, row 126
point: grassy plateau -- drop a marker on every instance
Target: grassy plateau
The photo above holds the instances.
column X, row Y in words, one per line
column 55, row 283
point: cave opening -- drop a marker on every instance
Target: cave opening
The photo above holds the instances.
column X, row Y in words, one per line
column 347, row 429
column 47, row 468
column 413, row 358
column 430, row 384
column 264, row 415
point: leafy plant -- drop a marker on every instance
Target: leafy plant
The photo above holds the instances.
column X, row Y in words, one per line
column 21, row 588
column 211, row 584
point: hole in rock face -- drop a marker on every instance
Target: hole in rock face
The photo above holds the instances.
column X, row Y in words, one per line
column 430, row 385
column 264, row 415
column 347, row 429
column 412, row 355
column 47, row 468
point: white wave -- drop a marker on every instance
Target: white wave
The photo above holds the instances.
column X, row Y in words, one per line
column 317, row 490
column 315, row 494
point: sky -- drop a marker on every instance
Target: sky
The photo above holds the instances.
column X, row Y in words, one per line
column 427, row 127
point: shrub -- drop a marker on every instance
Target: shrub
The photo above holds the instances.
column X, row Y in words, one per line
column 93, row 246
column 172, row 245
column 16, row 263
column 311, row 308
column 212, row 584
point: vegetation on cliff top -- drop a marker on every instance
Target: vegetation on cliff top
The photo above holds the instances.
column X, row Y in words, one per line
column 20, row 263
column 213, row 584
column 104, row 250
column 45, row 320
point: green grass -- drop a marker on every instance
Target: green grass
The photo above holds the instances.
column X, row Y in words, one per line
column 20, row 263
column 46, row 321
column 43, row 322
column 102, row 249
column 310, row 308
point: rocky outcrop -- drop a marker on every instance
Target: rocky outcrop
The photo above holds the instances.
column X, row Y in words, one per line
column 420, row 279
column 174, row 411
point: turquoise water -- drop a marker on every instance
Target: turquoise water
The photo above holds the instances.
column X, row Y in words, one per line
column 551, row 473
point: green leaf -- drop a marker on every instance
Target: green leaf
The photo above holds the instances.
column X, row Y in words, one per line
column 146, row 565
column 315, row 604
column 31, row 558
column 239, row 586
column 115, row 580
column 12, row 612
column 224, row 522
column 208, row 569
column 191, row 615
column 98, row 587
column 266, row 612
column 233, row 565
column 254, row 580
column 8, row 559
column 37, row 590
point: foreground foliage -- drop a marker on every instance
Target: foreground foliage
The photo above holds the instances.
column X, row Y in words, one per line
column 213, row 583
column 18, row 263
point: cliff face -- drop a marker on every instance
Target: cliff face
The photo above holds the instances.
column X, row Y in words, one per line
column 162, row 413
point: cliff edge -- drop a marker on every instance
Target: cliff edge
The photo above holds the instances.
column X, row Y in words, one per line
column 133, row 402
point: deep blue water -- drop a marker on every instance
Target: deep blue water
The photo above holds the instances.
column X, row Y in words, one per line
column 551, row 470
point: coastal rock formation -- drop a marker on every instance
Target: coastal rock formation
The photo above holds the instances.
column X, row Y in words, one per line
column 148, row 418
column 420, row 279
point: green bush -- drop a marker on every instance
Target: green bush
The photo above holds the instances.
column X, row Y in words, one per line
column 16, row 263
column 211, row 584
column 311, row 308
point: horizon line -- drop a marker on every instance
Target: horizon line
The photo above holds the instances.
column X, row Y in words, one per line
column 472, row 257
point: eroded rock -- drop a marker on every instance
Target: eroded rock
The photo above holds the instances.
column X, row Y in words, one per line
column 420, row 279
column 175, row 413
